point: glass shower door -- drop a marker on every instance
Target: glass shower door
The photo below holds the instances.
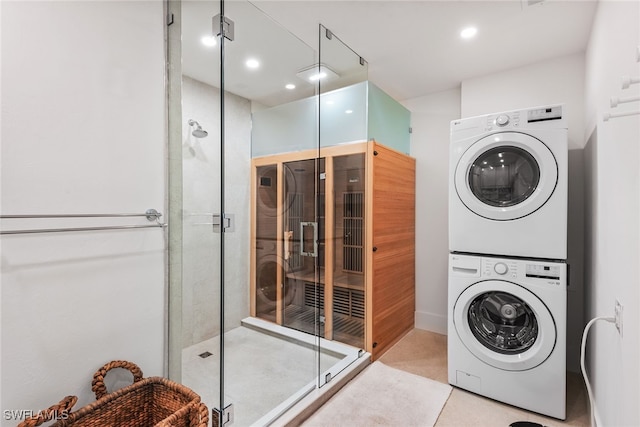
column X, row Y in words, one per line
column 253, row 201
column 196, row 202
column 343, row 119
column 262, row 364
column 265, row 365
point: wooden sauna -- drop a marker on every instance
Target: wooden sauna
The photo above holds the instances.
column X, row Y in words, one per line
column 342, row 264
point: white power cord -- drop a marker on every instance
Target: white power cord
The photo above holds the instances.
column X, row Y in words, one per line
column 594, row 411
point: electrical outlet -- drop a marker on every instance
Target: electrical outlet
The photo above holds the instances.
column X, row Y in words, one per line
column 618, row 312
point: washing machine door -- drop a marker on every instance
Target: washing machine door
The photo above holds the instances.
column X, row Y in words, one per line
column 504, row 325
column 506, row 176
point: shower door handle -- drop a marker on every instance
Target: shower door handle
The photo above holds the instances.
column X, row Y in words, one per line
column 313, row 252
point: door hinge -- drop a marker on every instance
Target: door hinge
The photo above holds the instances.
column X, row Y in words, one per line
column 328, row 34
column 222, row 418
column 225, row 223
column 223, row 26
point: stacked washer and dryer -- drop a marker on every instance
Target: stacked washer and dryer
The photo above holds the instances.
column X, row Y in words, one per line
column 507, row 295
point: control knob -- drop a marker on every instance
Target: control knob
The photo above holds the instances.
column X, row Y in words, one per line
column 502, row 120
column 501, row 268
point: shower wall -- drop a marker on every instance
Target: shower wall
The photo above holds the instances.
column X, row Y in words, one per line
column 201, row 197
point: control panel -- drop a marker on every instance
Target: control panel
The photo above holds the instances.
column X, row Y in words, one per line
column 544, row 117
column 541, row 271
column 503, row 120
column 520, row 270
column 544, row 114
column 499, row 268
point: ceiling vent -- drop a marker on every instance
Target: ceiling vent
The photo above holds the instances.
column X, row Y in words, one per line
column 317, row 72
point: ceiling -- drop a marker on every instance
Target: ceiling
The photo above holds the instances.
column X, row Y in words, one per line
column 412, row 48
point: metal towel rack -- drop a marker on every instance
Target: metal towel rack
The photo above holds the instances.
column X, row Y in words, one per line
column 150, row 214
column 626, row 81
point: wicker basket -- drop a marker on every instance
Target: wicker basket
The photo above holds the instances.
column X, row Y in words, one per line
column 153, row 401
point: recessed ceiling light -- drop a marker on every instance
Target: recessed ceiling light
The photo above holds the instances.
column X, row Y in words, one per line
column 290, row 86
column 209, row 41
column 469, row 33
column 252, row 63
column 348, row 111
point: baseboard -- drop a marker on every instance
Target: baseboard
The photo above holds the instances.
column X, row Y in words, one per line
column 431, row 322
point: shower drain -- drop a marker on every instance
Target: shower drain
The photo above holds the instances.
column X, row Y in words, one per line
column 205, row 354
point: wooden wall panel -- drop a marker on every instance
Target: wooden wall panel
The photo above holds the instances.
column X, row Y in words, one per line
column 393, row 237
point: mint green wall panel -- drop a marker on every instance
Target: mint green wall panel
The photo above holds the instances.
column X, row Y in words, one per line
column 343, row 115
column 388, row 120
column 285, row 128
column 356, row 113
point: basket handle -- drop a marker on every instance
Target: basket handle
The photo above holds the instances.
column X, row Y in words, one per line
column 200, row 416
column 97, row 384
column 53, row 412
column 195, row 414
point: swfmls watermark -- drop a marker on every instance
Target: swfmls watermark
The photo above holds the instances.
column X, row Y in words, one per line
column 23, row 414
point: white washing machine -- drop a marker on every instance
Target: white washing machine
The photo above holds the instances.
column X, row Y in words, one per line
column 508, row 185
column 507, row 330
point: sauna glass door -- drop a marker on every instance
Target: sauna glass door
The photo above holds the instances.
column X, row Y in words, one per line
column 348, row 308
column 303, row 240
column 268, row 265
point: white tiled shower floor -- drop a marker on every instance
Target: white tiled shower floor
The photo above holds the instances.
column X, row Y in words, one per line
column 260, row 371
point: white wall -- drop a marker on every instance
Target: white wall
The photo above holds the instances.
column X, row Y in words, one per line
column 430, row 118
column 552, row 82
column 612, row 189
column 82, row 132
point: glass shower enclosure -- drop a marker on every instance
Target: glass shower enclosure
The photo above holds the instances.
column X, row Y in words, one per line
column 251, row 325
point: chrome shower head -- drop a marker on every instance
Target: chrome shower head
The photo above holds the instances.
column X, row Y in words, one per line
column 198, row 132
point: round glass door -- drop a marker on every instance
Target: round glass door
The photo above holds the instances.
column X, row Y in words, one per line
column 503, row 322
column 506, row 176
column 505, row 325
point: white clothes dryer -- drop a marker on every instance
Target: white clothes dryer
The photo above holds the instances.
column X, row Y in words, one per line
column 508, row 186
column 507, row 330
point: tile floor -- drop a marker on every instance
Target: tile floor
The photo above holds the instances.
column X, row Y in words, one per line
column 425, row 353
column 419, row 352
column 261, row 371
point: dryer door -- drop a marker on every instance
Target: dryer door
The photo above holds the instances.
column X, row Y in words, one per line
column 504, row 325
column 506, row 176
